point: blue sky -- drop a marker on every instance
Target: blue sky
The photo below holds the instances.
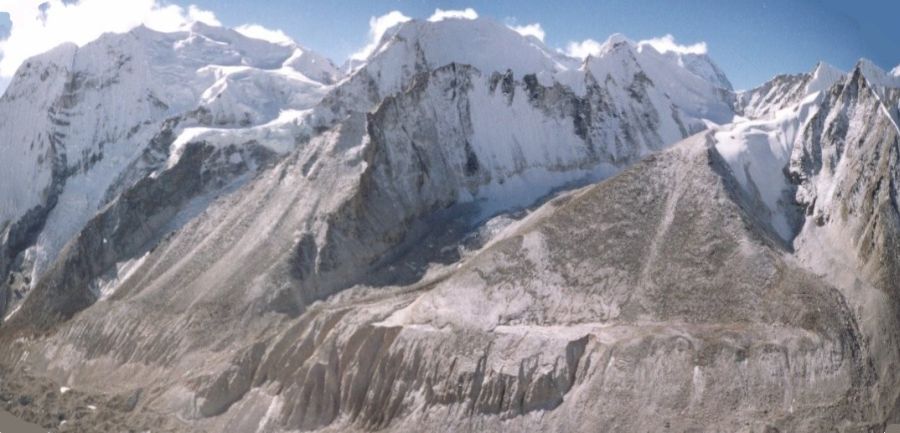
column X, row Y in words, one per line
column 750, row 40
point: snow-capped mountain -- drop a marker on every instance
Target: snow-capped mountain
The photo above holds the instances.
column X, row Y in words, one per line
column 525, row 120
column 233, row 235
column 98, row 119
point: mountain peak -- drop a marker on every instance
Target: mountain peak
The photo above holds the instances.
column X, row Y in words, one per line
column 786, row 90
column 201, row 27
column 823, row 67
column 617, row 39
column 822, row 77
column 875, row 75
column 698, row 63
column 616, row 42
column 417, row 43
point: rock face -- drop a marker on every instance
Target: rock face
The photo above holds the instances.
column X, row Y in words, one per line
column 846, row 173
column 392, row 250
column 845, row 168
column 785, row 91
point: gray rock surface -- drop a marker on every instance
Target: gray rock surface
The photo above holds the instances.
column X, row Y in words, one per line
column 575, row 316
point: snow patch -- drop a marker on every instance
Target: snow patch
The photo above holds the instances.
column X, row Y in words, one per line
column 823, row 77
column 123, row 270
column 877, row 76
column 758, row 151
column 279, row 135
column 12, row 313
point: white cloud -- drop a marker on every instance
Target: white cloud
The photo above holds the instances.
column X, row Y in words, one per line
column 896, row 71
column 533, row 29
column 664, row 44
column 39, row 25
column 257, row 31
column 377, row 28
column 440, row 14
column 196, row 14
column 584, row 48
column 667, row 44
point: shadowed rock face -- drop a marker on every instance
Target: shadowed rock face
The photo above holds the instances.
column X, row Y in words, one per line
column 780, row 92
column 853, row 147
column 846, row 172
column 785, row 92
column 127, row 228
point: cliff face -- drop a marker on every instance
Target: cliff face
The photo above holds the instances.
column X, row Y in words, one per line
column 846, row 171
